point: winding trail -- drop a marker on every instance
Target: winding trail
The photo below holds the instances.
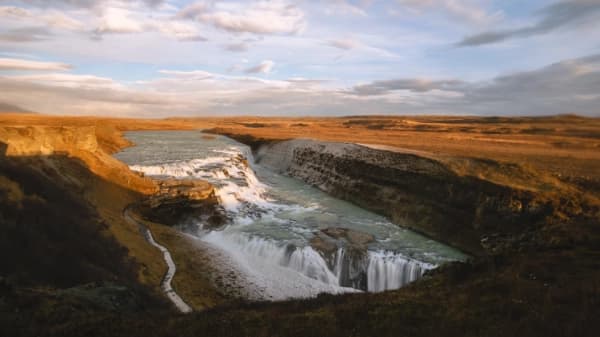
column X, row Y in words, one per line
column 166, row 281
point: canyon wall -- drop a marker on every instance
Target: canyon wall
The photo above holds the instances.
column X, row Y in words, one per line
column 86, row 143
column 423, row 194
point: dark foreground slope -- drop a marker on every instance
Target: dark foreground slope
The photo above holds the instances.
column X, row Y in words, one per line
column 60, row 263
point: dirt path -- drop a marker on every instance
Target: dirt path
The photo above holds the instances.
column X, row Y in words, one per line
column 166, row 282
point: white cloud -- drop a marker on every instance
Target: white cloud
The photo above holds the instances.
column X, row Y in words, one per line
column 19, row 64
column 62, row 4
column 261, row 17
column 264, row 67
column 50, row 18
column 121, row 20
column 195, row 74
column 459, row 9
column 13, row 12
column 118, row 20
column 27, row 34
column 179, row 30
column 193, row 10
column 105, row 18
column 68, row 80
column 335, row 7
column 354, row 44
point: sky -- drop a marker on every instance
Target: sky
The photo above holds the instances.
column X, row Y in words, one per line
column 158, row 58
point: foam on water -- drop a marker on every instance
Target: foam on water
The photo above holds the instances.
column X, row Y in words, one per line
column 237, row 185
column 272, row 224
column 282, row 271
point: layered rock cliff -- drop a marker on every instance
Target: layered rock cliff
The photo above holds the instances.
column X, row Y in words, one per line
column 416, row 192
column 88, row 144
column 179, row 202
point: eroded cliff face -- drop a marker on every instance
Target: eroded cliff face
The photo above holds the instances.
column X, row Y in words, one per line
column 29, row 141
column 81, row 143
column 182, row 202
column 420, row 193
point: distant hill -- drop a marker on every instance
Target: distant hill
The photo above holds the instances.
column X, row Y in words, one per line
column 6, row 107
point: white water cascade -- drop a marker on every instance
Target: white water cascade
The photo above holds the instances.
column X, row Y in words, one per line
column 272, row 223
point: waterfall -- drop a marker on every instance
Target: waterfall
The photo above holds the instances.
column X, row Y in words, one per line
column 376, row 271
column 387, row 271
column 285, row 268
column 237, row 186
column 304, row 260
column 282, row 270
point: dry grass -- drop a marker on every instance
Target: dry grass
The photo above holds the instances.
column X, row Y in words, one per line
column 565, row 145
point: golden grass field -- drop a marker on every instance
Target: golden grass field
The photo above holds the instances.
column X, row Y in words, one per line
column 562, row 144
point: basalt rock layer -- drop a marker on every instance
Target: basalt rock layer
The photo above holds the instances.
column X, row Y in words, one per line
column 423, row 194
column 179, row 201
column 350, row 262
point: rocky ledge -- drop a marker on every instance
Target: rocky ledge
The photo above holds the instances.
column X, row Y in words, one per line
column 178, row 201
column 351, row 262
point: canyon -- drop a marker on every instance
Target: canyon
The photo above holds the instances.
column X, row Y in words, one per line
column 528, row 216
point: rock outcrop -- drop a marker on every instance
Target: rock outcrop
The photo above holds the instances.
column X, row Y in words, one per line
column 345, row 252
column 29, row 141
column 81, row 142
column 177, row 201
column 413, row 191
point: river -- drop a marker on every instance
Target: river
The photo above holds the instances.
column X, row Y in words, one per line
column 273, row 221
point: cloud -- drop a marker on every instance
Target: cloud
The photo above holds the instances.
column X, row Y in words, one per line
column 558, row 86
column 300, row 82
column 552, row 17
column 13, row 12
column 236, row 47
column 28, row 34
column 458, row 9
column 115, row 20
column 193, row 10
column 345, row 44
column 81, row 94
column 194, row 75
column 568, row 86
column 264, row 67
column 175, row 29
column 563, row 87
column 68, row 80
column 103, row 18
column 51, row 18
column 85, row 3
column 261, row 17
column 346, row 7
column 119, row 21
column 414, row 85
column 19, row 64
